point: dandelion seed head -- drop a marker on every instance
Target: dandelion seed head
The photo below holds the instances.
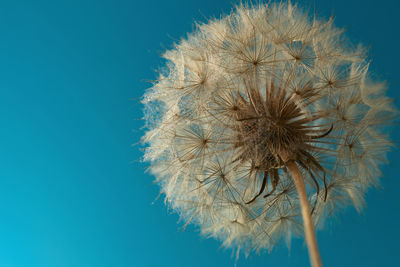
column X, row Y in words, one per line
column 244, row 94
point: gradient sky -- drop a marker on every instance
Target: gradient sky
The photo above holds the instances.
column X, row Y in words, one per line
column 72, row 189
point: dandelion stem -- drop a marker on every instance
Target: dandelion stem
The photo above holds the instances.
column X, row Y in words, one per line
column 306, row 213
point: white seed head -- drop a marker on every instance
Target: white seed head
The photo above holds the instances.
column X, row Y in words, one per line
column 245, row 93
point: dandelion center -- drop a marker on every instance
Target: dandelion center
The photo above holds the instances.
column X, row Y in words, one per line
column 273, row 129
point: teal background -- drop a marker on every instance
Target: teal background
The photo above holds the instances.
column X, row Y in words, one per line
column 73, row 191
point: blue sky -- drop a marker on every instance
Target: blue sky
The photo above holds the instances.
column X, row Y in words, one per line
column 72, row 189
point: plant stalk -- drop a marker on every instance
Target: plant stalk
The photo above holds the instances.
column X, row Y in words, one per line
column 311, row 239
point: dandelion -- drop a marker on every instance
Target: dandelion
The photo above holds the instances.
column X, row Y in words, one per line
column 263, row 123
